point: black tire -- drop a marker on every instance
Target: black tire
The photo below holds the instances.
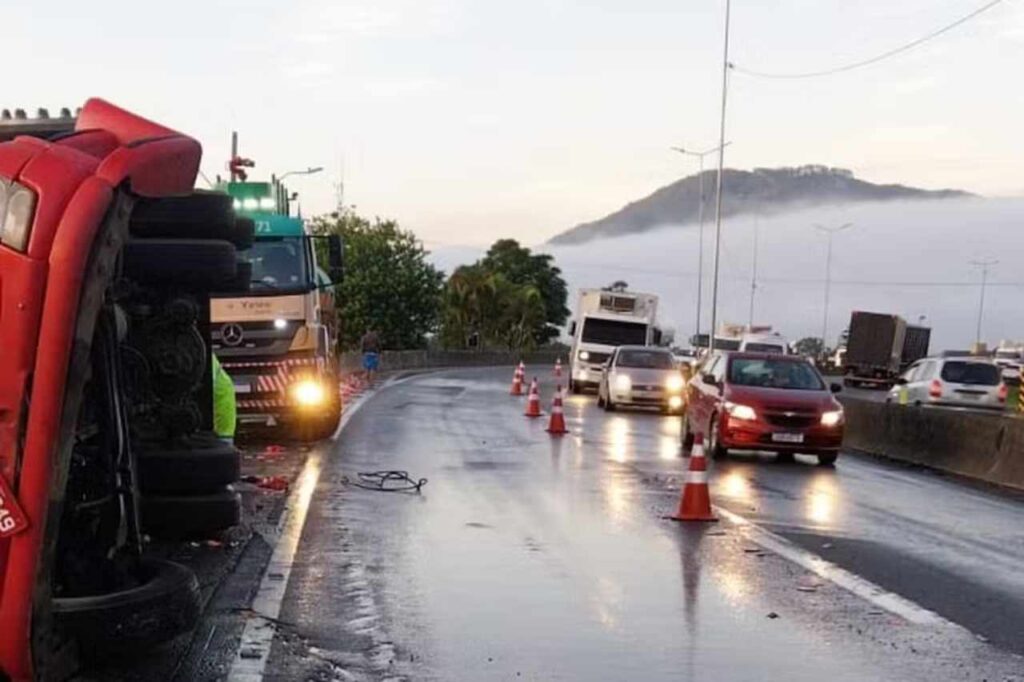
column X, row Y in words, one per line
column 175, row 517
column 600, row 400
column 574, row 387
column 609, row 404
column 715, row 450
column 204, row 464
column 200, row 215
column 165, row 605
column 207, row 265
column 686, row 435
column 827, row 459
column 319, row 428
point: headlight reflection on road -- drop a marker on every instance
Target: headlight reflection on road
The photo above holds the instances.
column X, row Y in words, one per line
column 822, row 496
column 618, row 439
column 735, row 484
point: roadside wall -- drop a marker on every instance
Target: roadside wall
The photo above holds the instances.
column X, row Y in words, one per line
column 986, row 447
column 424, row 359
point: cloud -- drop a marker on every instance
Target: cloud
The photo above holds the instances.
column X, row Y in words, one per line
column 364, row 18
column 402, row 88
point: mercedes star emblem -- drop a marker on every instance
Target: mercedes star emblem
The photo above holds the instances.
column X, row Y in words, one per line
column 231, row 334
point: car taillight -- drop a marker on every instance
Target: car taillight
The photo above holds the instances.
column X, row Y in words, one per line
column 17, row 208
column 1002, row 393
column 935, row 389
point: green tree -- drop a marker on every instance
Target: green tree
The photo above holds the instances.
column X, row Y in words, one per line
column 486, row 306
column 388, row 284
column 521, row 267
column 809, row 346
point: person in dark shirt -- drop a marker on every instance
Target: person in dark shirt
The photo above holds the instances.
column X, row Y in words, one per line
column 370, row 345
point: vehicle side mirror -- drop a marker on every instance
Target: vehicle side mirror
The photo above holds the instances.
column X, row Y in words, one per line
column 335, row 258
column 836, row 388
column 901, row 381
column 572, row 328
column 709, row 379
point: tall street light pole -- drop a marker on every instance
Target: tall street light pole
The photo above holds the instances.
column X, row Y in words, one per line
column 700, row 220
column 721, row 162
column 984, row 264
column 829, row 232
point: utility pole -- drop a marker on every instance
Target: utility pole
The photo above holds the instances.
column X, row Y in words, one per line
column 984, row 264
column 700, row 221
column 753, row 273
column 830, row 232
column 718, row 199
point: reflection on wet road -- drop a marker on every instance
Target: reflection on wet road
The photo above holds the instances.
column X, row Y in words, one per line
column 534, row 557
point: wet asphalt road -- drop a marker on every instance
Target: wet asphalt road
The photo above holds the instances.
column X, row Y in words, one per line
column 528, row 557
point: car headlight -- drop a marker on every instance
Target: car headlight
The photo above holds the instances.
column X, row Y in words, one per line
column 623, row 382
column 308, row 393
column 675, row 402
column 584, row 355
column 831, row 418
column 743, row 412
column 674, row 383
column 17, row 208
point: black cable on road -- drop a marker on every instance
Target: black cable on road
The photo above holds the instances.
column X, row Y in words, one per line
column 393, row 481
column 870, row 60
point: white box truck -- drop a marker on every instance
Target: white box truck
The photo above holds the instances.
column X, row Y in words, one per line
column 605, row 320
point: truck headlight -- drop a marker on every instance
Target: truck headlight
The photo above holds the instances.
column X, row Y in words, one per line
column 17, row 208
column 308, row 393
column 831, row 418
column 675, row 383
column 742, row 412
column 623, row 382
column 584, row 355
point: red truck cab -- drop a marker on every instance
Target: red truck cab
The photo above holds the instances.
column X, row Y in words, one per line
column 64, row 210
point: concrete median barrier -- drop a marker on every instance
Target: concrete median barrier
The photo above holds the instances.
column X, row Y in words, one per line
column 426, row 359
column 984, row 447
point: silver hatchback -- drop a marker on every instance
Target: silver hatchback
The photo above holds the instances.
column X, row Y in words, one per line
column 970, row 382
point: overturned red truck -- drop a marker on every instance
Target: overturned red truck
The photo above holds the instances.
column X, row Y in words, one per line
column 108, row 259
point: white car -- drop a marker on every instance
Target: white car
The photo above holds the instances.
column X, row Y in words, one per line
column 1009, row 361
column 641, row 376
column 970, row 381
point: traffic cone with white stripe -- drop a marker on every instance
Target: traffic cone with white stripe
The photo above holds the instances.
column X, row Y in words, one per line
column 517, row 381
column 533, row 400
column 558, row 368
column 556, row 425
column 695, row 502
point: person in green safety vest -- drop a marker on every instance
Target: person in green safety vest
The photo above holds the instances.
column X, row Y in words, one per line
column 225, row 411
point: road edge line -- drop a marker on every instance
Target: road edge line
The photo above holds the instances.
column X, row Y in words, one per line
column 260, row 629
column 851, row 582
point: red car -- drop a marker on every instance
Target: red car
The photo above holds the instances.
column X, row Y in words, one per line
column 758, row 401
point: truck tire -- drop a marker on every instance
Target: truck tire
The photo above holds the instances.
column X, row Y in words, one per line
column 195, row 264
column 175, row 517
column 204, row 464
column 202, row 214
column 165, row 605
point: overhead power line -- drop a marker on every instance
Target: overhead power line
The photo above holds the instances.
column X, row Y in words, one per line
column 871, row 60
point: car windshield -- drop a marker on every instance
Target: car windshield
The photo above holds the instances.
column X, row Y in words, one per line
column 613, row 332
column 278, row 263
column 974, row 373
column 645, row 359
column 771, row 373
column 764, row 348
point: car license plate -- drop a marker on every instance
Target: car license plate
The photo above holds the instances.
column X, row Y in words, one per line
column 787, row 437
column 243, row 388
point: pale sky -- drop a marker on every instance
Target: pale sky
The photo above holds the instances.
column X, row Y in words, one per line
column 471, row 121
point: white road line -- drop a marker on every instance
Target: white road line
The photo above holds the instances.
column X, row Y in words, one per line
column 254, row 648
column 865, row 589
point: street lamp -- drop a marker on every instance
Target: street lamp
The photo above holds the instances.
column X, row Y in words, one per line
column 700, row 220
column 309, row 171
column 830, row 231
column 984, row 264
column 718, row 179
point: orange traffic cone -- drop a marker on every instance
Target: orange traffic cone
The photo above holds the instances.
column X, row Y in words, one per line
column 695, row 503
column 558, row 368
column 533, row 400
column 556, row 426
column 517, row 381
